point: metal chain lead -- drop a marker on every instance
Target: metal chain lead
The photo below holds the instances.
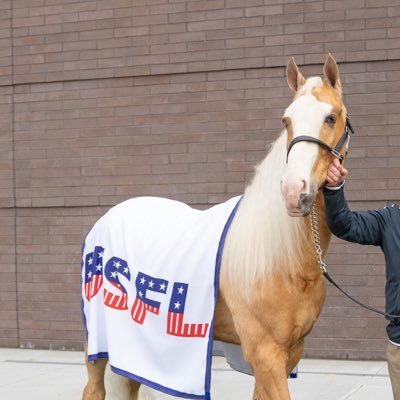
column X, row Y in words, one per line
column 316, row 238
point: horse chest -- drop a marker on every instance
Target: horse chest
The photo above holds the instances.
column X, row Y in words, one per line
column 311, row 298
column 288, row 310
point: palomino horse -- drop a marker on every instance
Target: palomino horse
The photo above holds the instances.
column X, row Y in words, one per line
column 271, row 286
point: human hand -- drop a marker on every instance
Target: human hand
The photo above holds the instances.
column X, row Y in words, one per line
column 336, row 174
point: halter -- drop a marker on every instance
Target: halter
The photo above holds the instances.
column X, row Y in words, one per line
column 334, row 150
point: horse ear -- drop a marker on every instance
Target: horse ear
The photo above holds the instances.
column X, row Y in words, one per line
column 331, row 72
column 294, row 77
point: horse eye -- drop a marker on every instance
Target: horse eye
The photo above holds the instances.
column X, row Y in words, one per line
column 330, row 120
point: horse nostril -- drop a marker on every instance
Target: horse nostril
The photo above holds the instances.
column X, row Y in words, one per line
column 303, row 198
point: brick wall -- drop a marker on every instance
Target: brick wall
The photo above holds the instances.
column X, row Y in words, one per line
column 8, row 274
column 101, row 101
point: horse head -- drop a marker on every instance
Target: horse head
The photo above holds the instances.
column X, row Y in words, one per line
column 316, row 127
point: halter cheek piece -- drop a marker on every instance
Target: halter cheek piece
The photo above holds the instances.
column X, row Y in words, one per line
column 334, row 150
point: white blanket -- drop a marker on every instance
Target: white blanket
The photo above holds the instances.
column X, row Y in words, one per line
column 150, row 277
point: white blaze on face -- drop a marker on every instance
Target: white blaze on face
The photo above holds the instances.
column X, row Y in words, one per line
column 307, row 116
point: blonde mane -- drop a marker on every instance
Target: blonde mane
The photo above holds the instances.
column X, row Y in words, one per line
column 263, row 240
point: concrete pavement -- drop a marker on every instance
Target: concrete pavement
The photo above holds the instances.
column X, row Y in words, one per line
column 60, row 375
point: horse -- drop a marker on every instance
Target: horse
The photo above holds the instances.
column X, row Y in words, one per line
column 271, row 288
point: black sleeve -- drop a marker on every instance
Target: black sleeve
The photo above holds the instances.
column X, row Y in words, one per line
column 364, row 227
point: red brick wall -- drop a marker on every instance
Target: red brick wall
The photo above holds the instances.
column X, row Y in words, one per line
column 101, row 101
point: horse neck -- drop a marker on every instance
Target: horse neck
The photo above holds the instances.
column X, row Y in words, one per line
column 263, row 240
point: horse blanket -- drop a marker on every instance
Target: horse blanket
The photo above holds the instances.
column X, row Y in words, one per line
column 150, row 278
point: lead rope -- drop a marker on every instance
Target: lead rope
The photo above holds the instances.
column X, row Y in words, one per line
column 322, row 266
column 316, row 239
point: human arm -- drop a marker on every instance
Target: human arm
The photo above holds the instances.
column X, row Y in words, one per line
column 364, row 227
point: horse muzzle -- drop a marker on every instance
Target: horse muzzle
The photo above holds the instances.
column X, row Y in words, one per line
column 304, row 206
column 298, row 203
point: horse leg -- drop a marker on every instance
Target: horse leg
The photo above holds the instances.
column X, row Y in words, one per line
column 120, row 387
column 270, row 371
column 94, row 389
column 257, row 396
column 133, row 390
column 294, row 356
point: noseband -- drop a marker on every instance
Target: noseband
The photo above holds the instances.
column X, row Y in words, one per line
column 334, row 150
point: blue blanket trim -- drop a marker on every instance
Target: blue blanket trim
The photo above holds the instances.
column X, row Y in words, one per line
column 93, row 357
column 207, row 395
column 82, row 303
column 216, row 289
column 156, row 386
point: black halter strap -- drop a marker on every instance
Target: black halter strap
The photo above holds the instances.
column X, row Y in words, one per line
column 334, row 150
